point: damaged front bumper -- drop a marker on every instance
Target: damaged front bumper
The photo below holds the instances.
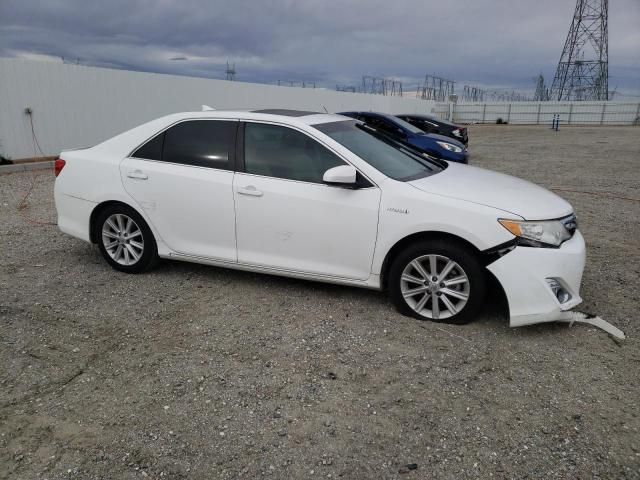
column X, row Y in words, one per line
column 541, row 283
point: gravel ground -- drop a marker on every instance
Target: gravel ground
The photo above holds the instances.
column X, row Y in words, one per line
column 198, row 372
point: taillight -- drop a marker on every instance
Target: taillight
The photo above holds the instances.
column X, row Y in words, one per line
column 58, row 166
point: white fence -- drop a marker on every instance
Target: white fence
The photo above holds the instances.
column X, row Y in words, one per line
column 536, row 113
column 75, row 106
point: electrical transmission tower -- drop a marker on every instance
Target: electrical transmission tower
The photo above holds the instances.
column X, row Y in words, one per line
column 296, row 83
column 346, row 88
column 473, row 94
column 381, row 86
column 231, row 72
column 583, row 70
column 542, row 92
column 436, row 88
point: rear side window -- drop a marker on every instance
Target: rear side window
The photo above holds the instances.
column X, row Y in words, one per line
column 202, row 143
column 152, row 150
column 281, row 152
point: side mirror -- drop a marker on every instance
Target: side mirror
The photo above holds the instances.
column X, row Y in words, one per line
column 342, row 176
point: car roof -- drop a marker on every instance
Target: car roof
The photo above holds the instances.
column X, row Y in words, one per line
column 427, row 117
column 290, row 117
column 128, row 139
column 386, row 116
column 286, row 113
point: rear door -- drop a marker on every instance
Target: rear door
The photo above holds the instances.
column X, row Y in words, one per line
column 182, row 179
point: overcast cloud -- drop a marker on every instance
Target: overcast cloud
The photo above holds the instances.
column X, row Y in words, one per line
column 493, row 43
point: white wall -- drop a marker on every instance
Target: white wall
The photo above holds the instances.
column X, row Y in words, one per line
column 534, row 113
column 76, row 106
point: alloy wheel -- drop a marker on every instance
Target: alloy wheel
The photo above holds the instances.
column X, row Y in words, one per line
column 435, row 286
column 122, row 239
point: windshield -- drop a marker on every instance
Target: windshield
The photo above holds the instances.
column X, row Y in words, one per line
column 389, row 157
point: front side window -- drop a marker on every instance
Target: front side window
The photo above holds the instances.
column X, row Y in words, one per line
column 281, row 152
column 202, row 143
column 391, row 158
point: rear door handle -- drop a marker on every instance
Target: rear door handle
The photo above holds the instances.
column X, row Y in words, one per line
column 138, row 175
column 250, row 190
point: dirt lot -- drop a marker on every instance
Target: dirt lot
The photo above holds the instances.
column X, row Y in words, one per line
column 198, row 372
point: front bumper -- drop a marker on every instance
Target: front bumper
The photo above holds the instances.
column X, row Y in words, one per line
column 523, row 273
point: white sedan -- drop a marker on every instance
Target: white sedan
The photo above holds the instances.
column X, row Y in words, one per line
column 323, row 197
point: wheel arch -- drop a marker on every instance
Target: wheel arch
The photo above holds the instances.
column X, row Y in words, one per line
column 99, row 208
column 416, row 237
column 495, row 290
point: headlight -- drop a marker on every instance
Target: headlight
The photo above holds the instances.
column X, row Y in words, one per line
column 547, row 233
column 457, row 133
column 450, row 146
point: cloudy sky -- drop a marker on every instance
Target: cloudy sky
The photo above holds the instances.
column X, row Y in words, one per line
column 491, row 43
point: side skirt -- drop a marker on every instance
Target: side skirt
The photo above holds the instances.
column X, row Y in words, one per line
column 373, row 282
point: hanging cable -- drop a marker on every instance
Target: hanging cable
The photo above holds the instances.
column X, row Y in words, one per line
column 23, row 204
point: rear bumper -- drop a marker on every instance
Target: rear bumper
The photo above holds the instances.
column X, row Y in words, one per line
column 73, row 215
column 523, row 274
column 464, row 140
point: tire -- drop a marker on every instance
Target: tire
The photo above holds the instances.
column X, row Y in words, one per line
column 458, row 295
column 125, row 240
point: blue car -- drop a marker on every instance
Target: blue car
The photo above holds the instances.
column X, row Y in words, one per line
column 437, row 146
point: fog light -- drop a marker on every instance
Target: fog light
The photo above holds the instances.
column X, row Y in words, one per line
column 558, row 290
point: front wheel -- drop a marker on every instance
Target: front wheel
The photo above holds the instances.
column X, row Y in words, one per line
column 438, row 280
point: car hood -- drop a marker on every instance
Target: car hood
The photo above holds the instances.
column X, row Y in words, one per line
column 496, row 190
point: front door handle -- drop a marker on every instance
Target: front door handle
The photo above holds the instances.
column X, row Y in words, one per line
column 250, row 190
column 138, row 175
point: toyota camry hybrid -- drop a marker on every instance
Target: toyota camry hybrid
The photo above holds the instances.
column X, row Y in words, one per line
column 323, row 197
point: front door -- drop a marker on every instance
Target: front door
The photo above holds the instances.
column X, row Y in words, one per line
column 287, row 219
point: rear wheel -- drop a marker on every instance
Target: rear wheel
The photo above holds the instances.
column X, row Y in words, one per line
column 438, row 280
column 125, row 240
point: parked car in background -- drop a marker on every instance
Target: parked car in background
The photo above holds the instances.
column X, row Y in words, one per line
column 437, row 146
column 431, row 124
column 326, row 198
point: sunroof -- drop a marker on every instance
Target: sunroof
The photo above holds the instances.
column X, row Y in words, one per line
column 285, row 112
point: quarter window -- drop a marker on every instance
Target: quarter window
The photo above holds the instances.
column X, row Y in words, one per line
column 282, row 152
column 202, row 143
column 152, row 150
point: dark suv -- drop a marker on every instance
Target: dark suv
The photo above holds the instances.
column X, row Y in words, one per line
column 430, row 124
